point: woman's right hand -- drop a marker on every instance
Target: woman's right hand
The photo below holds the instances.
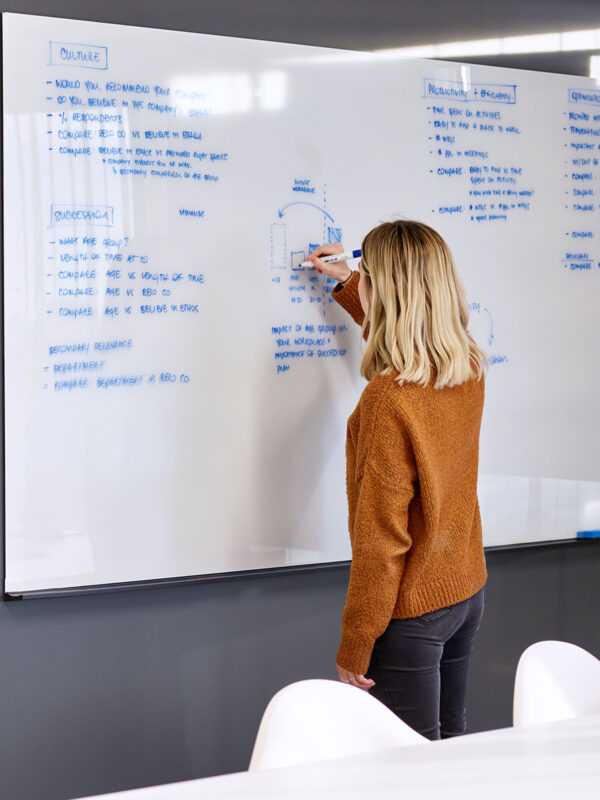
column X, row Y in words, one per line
column 338, row 270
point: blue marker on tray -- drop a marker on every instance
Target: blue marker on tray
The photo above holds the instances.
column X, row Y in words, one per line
column 336, row 257
column 588, row 534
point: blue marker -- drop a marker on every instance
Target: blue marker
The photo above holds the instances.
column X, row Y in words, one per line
column 337, row 257
column 588, row 534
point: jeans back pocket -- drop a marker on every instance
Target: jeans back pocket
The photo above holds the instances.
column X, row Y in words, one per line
column 434, row 616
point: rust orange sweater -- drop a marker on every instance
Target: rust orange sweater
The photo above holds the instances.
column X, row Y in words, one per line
column 411, row 476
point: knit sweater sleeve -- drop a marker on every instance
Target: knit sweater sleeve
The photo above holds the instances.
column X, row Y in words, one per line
column 347, row 297
column 380, row 540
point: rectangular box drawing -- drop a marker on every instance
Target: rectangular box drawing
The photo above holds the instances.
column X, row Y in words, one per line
column 298, row 257
column 590, row 97
column 73, row 214
column 334, row 235
column 468, row 92
column 278, row 246
column 73, row 54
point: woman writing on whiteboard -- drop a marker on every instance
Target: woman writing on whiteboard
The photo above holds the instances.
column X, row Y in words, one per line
column 416, row 592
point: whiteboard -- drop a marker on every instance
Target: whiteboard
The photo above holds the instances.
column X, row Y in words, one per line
column 177, row 389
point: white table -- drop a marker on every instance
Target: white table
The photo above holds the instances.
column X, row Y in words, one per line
column 555, row 760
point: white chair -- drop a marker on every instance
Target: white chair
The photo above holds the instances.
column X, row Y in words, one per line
column 315, row 720
column 554, row 681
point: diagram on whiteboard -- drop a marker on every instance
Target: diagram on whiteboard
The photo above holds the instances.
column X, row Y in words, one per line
column 301, row 224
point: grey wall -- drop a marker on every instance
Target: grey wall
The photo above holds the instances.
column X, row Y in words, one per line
column 109, row 692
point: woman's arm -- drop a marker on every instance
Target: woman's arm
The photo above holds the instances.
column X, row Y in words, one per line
column 379, row 501
column 379, row 544
column 347, row 297
column 346, row 291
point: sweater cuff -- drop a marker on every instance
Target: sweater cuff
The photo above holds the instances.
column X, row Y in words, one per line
column 340, row 290
column 355, row 653
column 347, row 296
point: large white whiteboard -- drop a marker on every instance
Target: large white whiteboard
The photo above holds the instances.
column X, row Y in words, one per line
column 176, row 391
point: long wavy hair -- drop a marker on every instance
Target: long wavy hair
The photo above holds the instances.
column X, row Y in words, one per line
column 418, row 314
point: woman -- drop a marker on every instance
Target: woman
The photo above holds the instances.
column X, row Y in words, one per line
column 416, row 592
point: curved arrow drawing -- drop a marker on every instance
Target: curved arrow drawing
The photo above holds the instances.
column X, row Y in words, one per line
column 491, row 338
column 304, row 203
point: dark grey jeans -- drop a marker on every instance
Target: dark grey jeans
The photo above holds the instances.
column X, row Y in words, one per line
column 420, row 667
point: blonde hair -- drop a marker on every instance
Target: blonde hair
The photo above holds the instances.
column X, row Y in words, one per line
column 418, row 314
